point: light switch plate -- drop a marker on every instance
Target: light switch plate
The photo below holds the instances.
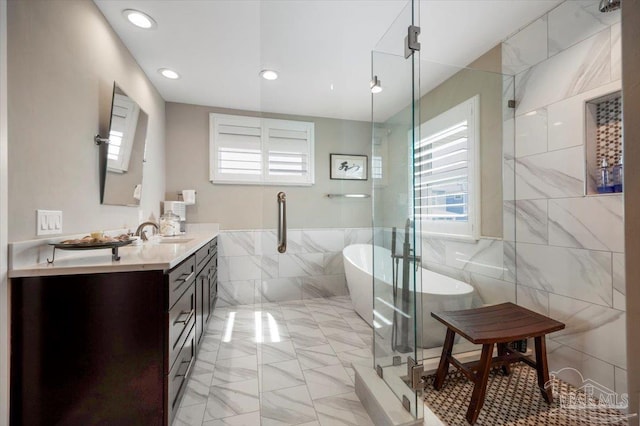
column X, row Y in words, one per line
column 48, row 222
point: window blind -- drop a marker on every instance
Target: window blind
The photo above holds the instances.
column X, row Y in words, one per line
column 261, row 151
column 445, row 172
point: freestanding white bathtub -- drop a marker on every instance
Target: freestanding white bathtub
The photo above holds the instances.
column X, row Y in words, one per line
column 438, row 292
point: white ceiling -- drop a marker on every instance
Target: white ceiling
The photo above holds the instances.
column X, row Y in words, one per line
column 219, row 47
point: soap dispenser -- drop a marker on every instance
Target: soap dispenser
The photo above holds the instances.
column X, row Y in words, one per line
column 617, row 176
column 604, row 180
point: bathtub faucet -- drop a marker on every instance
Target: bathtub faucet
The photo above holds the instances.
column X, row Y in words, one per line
column 407, row 250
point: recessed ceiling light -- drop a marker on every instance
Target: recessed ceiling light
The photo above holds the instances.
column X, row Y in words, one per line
column 139, row 19
column 269, row 74
column 170, row 74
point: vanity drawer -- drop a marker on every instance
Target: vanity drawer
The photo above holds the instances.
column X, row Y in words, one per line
column 179, row 374
column 214, row 246
column 180, row 278
column 181, row 319
column 202, row 257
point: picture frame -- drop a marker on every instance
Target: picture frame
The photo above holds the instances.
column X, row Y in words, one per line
column 348, row 167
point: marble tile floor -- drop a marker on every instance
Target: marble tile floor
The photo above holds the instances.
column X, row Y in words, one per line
column 285, row 363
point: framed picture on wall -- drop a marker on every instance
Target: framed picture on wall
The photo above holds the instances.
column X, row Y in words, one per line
column 348, row 167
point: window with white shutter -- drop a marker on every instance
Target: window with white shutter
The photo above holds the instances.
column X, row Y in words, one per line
column 446, row 172
column 249, row 150
column 122, row 131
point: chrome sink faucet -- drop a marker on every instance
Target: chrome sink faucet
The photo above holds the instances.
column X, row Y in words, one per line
column 140, row 232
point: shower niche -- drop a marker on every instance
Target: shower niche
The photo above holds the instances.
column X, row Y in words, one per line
column 604, row 146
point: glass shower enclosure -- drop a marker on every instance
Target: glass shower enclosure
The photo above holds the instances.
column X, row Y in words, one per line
column 443, row 202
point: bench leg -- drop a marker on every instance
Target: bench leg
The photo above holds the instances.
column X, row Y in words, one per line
column 480, row 384
column 443, row 367
column 502, row 350
column 543, row 369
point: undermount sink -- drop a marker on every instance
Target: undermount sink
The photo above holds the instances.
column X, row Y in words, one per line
column 174, row 240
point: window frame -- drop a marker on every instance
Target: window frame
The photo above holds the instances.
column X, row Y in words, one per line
column 265, row 125
column 469, row 230
column 121, row 165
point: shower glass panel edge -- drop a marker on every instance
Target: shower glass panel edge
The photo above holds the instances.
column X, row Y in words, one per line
column 396, row 317
column 417, row 99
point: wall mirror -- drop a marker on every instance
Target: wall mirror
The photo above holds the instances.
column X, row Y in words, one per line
column 124, row 152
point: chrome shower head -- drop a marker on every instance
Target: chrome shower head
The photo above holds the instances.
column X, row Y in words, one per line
column 609, row 5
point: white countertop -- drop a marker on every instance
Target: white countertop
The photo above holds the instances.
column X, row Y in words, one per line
column 150, row 255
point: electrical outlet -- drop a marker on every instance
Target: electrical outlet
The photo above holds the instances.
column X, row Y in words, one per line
column 48, row 222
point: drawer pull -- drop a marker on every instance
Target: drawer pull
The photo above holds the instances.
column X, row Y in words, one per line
column 189, row 276
column 186, row 371
column 184, row 280
column 187, row 319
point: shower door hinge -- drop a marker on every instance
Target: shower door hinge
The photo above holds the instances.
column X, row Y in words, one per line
column 379, row 371
column 411, row 41
column 414, row 373
column 511, row 103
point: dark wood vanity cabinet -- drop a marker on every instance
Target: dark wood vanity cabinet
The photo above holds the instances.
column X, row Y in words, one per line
column 110, row 348
column 206, row 282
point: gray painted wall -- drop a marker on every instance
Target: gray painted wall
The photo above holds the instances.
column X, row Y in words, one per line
column 63, row 59
column 254, row 207
column 480, row 78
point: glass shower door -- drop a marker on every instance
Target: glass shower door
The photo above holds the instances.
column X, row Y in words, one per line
column 395, row 112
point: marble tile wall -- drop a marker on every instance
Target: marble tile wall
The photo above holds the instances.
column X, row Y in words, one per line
column 481, row 263
column 569, row 248
column 250, row 269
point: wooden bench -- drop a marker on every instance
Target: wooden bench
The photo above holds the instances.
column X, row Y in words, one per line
column 489, row 326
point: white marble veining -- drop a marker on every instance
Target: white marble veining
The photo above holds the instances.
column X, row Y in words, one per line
column 324, row 286
column 299, row 265
column 566, row 118
column 569, row 247
column 531, row 133
column 281, row 289
column 550, row 175
column 618, row 264
column 576, row 20
column 434, row 249
column 536, row 300
column 238, row 243
column 561, row 356
column 526, row 48
column 509, row 220
column 580, row 68
column 509, row 262
column 616, row 52
column 289, row 406
column 508, row 179
column 596, row 330
column 240, row 268
column 344, row 409
column 508, row 132
column 492, row 291
column 232, row 399
column 237, row 292
column 330, row 240
column 582, row 274
column 251, row 381
column 484, row 256
column 531, row 219
column 357, row 236
column 595, row 223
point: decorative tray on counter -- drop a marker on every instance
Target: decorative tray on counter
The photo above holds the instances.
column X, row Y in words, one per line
column 90, row 244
